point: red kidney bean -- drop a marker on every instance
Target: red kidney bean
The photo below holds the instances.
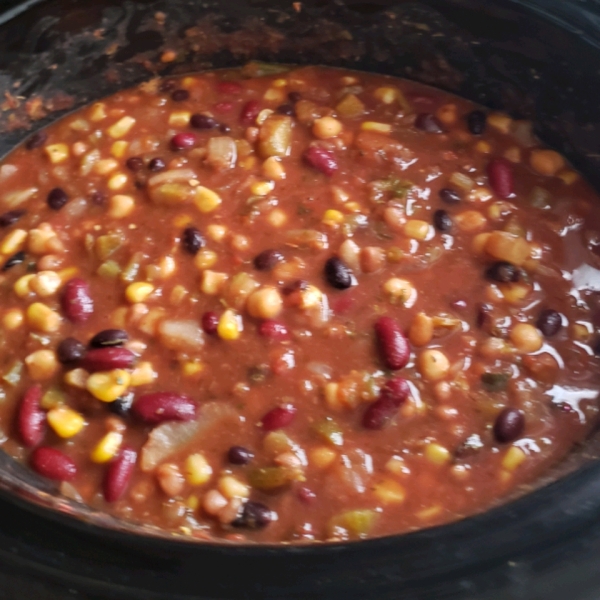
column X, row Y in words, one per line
column 392, row 395
column 53, row 464
column 200, row 121
column 31, row 421
column 279, row 417
column 392, row 343
column 509, row 425
column 164, row 406
column 395, row 389
column 118, row 474
column 183, row 141
column 106, row 359
column 229, row 87
column 249, row 112
column 210, row 322
column 500, row 175
column 76, row 302
column 321, row 159
column 273, row 330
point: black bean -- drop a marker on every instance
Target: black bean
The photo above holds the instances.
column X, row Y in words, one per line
column 286, row 109
column 596, row 347
column 549, row 322
column 70, row 351
column 135, row 163
column 57, row 198
column 294, row 97
column 168, row 85
column 429, row 123
column 484, row 315
column 476, row 122
column 36, row 140
column 449, row 196
column 509, row 425
column 442, row 220
column 503, row 272
column 199, row 121
column 267, row 259
column 121, row 406
column 238, row 455
column 192, row 240
column 109, row 337
column 15, row 259
column 180, row 95
column 11, row 217
column 224, row 128
column 338, row 275
column 255, row 515
column 156, row 164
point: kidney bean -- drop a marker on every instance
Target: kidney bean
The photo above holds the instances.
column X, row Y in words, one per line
column 180, row 95
column 396, row 389
column 267, row 260
column 37, row 140
column 70, row 351
column 337, row 274
column 106, row 359
column 503, row 272
column 183, row 141
column 11, row 217
column 476, row 121
column 13, row 261
column 279, row 417
column 249, row 112
column 392, row 343
column 31, row 420
column 255, row 515
column 192, row 240
column 156, row 164
column 509, row 425
column 57, row 198
column 53, row 464
column 135, row 164
column 392, row 395
column 229, row 87
column 442, row 221
column 549, row 322
column 210, row 322
column 294, row 97
column 500, row 175
column 118, row 474
column 321, row 160
column 429, row 123
column 273, row 330
column 238, row 455
column 199, row 121
column 164, row 406
column 76, row 302
column 449, row 196
column 109, row 337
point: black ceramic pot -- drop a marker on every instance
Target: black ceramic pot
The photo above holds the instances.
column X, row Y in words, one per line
column 538, row 59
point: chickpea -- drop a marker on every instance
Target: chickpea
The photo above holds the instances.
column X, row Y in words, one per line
column 13, row 319
column 421, row 330
column 526, row 338
column 265, row 303
column 546, row 162
column 433, row 365
column 326, row 127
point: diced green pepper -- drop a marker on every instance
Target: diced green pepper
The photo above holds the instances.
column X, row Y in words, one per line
column 108, row 244
column 257, row 68
column 357, row 523
column 270, row 478
column 495, row 382
column 109, row 269
column 330, row 431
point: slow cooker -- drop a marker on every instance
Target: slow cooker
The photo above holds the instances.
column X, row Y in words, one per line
column 537, row 59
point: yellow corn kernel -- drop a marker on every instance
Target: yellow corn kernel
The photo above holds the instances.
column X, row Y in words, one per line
column 107, row 447
column 76, row 378
column 143, row 374
column 569, row 177
column 389, row 492
column 120, row 206
column 119, row 148
column 353, row 207
column 277, row 217
column 377, row 127
column 397, row 466
column 322, row 457
column 180, row 118
column 437, row 454
column 178, row 293
column 45, row 283
column 13, row 319
column 52, row 398
column 205, row 259
column 279, row 83
column 274, row 95
column 121, row 127
column 212, row 282
column 41, row 364
column 231, row 487
column 416, row 229
column 43, row 239
column 262, row 188
column 105, row 166
column 42, row 318
column 514, row 293
column 68, row 273
column 108, row 385
column 333, row 218
column 197, row 469
column 273, row 169
column 216, row 232
column 387, row 95
column 98, row 112
column 57, row 153
column 192, row 502
column 332, row 396
column 117, row 182
column 500, row 122
column 168, row 56
column 13, row 242
column 429, row 513
column 65, row 421
column 483, row 147
column 470, row 221
column 513, row 458
column 230, row 326
column 167, row 266
column 191, row 368
column 138, row 291
column 182, row 220
column 206, row 200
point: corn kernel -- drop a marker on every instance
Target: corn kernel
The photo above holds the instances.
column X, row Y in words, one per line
column 107, row 447
column 68, row 273
column 108, row 385
column 397, row 466
column 569, row 177
column 513, row 458
column 45, row 283
column 119, row 148
column 311, row 297
column 483, row 147
column 333, row 218
column 429, row 513
column 143, row 374
column 377, row 127
column 262, row 188
column 192, row 502
column 500, row 122
column 387, row 95
column 197, row 470
column 273, row 169
column 42, row 318
column 121, row 127
column 105, row 166
column 182, row 220
column 274, row 95
column 216, row 232
column 13, row 242
column 167, row 266
column 206, row 200
column 248, row 163
column 98, row 112
column 57, row 153
column 231, row 487
column 120, row 206
column 332, row 397
column 191, row 368
column 41, row 364
column 52, row 398
column 205, row 259
column 179, row 118
column 447, row 114
column 212, row 282
column 470, row 221
column 353, row 207
column 389, row 492
column 230, row 326
column 277, row 217
column 279, row 83
column 437, row 454
column 322, row 457
column 76, row 378
column 138, row 291
column 417, row 230
column 117, row 182
column 65, row 421
column 13, row 319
